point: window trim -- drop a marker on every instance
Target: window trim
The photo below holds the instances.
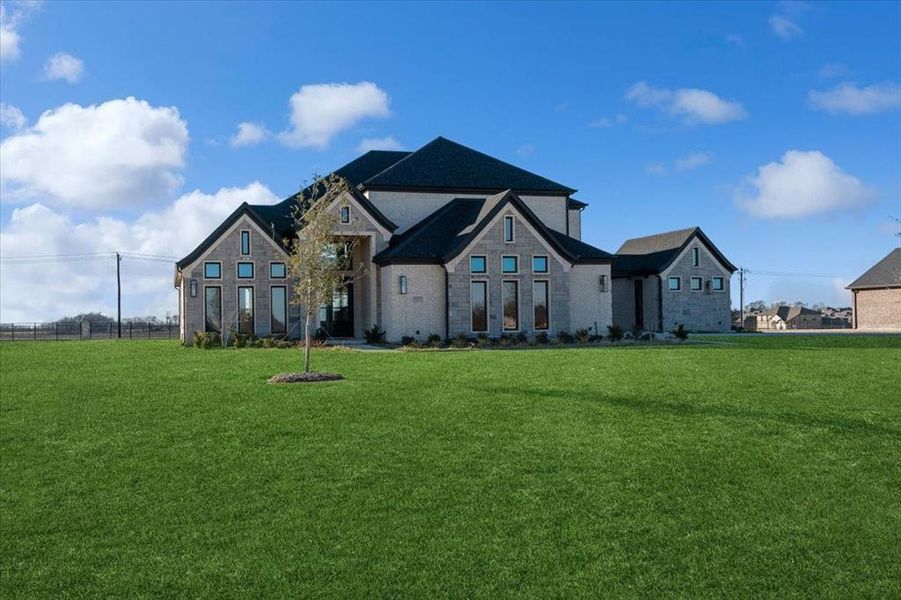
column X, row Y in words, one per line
column 249, row 245
column 678, row 278
column 253, row 269
column 212, row 262
column 695, row 256
column 512, row 221
column 205, row 288
column 483, row 282
column 691, row 283
column 547, row 303
column 547, row 264
column 253, row 313
column 713, row 287
column 484, row 263
column 514, row 257
column 271, row 289
column 345, row 210
column 518, row 307
column 278, row 262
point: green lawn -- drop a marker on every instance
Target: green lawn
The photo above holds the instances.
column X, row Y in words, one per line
column 753, row 466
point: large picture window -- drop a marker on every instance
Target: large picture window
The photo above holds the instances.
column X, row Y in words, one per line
column 245, row 310
column 478, row 292
column 510, row 299
column 212, row 308
column 279, row 308
column 540, row 302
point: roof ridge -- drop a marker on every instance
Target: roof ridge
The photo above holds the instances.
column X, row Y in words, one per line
column 409, row 154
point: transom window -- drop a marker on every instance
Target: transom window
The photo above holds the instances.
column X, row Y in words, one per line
column 510, row 264
column 508, row 229
column 245, row 243
column 718, row 284
column 539, row 264
column 277, row 270
column 697, row 284
column 212, row 270
column 477, row 264
column 695, row 256
column 674, row 284
column 245, row 270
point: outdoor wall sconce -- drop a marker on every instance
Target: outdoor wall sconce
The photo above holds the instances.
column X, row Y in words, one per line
column 193, row 288
column 402, row 284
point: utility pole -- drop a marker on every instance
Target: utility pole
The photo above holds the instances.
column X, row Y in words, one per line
column 741, row 296
column 118, row 296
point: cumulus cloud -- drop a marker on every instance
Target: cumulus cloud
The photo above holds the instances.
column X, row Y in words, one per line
column 12, row 14
column 692, row 106
column 784, row 27
column 116, row 154
column 383, row 143
column 249, row 134
column 72, row 287
column 321, row 111
column 63, row 66
column 801, row 184
column 854, row 100
column 12, row 117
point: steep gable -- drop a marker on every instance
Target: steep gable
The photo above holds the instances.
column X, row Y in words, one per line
column 654, row 253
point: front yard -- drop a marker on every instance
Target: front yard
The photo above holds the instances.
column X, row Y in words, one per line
column 750, row 466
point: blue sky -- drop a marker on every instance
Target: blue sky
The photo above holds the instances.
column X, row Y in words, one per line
column 728, row 89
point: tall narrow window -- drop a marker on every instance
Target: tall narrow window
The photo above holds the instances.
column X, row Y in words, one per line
column 402, row 284
column 510, row 299
column 212, row 308
column 695, row 256
column 245, row 310
column 245, row 243
column 603, row 283
column 279, row 307
column 540, row 302
column 508, row 229
column 478, row 292
column 345, row 214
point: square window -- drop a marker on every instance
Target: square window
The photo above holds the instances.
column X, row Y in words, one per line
column 212, row 270
column 539, row 264
column 696, row 284
column 245, row 243
column 277, row 270
column 510, row 264
column 508, row 229
column 245, row 270
column 345, row 214
column 477, row 264
column 718, row 284
column 674, row 284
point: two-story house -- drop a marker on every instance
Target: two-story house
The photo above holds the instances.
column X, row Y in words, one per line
column 451, row 241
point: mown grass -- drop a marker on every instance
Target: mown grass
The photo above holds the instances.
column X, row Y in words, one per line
column 747, row 467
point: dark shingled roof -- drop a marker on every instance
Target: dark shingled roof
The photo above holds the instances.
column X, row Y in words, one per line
column 885, row 273
column 443, row 164
column 573, row 204
column 449, row 230
column 786, row 313
column 651, row 254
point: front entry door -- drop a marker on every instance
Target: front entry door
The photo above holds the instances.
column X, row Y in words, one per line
column 339, row 314
column 639, row 303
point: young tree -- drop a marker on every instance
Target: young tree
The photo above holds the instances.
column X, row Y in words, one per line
column 316, row 267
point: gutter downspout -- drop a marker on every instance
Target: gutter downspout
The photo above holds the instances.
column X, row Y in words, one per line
column 446, row 304
column 659, row 303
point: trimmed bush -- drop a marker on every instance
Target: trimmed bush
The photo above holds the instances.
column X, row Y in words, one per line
column 614, row 333
column 582, row 336
column 374, row 336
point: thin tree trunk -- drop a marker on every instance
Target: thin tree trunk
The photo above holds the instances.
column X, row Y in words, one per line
column 306, row 347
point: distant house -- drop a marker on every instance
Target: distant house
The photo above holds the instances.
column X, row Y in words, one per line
column 877, row 295
column 784, row 317
column 669, row 279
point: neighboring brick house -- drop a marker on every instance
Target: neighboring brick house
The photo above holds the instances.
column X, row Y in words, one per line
column 670, row 279
column 877, row 295
column 780, row 318
column 451, row 241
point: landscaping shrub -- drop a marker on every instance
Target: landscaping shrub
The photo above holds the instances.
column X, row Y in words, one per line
column 541, row 338
column 636, row 331
column 206, row 339
column 461, row 341
column 564, row 338
column 434, row 339
column 505, row 341
column 582, row 335
column 595, row 338
column 320, row 335
column 407, row 340
column 680, row 332
column 614, row 333
column 484, row 341
column 521, row 338
column 374, row 336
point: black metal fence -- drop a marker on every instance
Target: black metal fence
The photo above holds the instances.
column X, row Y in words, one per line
column 86, row 330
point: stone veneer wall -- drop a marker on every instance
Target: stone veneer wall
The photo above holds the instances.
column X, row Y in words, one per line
column 702, row 310
column 421, row 311
column 878, row 309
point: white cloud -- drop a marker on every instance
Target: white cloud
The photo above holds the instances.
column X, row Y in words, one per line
column 854, row 100
column 784, row 27
column 802, row 184
column 63, row 66
column 249, row 134
column 657, row 168
column 12, row 14
column 12, row 117
column 68, row 288
column 321, row 111
column 833, row 69
column 693, row 106
column 116, row 154
column 692, row 161
column 383, row 143
column 9, row 43
column 618, row 119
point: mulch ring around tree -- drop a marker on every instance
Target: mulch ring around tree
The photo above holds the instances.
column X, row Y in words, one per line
column 304, row 377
